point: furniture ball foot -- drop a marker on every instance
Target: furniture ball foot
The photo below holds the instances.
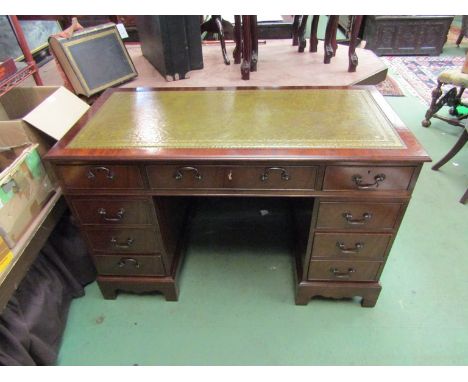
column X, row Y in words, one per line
column 426, row 123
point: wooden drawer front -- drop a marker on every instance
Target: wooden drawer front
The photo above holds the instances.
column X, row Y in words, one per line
column 169, row 176
column 113, row 211
column 269, row 177
column 339, row 215
column 340, row 270
column 129, row 265
column 126, row 240
column 367, row 178
column 350, row 245
column 100, row 177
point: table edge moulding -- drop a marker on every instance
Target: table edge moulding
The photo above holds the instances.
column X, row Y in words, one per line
column 347, row 202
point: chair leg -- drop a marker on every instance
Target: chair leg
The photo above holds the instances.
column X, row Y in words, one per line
column 455, row 149
column 460, row 38
column 436, row 93
column 313, row 34
column 464, row 198
column 219, row 27
column 302, row 42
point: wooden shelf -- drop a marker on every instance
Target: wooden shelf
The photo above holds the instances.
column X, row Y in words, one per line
column 28, row 247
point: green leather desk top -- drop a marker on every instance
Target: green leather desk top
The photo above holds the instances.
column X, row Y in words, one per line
column 269, row 118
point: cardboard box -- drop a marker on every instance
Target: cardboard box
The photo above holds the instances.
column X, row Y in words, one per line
column 5, row 255
column 24, row 190
column 41, row 114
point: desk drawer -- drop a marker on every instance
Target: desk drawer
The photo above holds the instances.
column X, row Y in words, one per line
column 113, row 211
column 134, row 265
column 125, row 240
column 271, row 177
column 340, row 270
column 350, row 245
column 358, row 215
column 100, row 176
column 367, row 178
column 173, row 176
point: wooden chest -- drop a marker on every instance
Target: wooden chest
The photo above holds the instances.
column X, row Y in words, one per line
column 406, row 35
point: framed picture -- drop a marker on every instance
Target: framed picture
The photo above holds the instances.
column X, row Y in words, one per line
column 37, row 33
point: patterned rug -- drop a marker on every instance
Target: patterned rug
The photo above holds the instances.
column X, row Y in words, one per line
column 389, row 87
column 418, row 74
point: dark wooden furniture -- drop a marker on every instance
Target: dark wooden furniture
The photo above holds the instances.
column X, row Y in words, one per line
column 215, row 25
column 246, row 38
column 330, row 43
column 406, row 35
column 172, row 44
column 453, row 151
column 131, row 164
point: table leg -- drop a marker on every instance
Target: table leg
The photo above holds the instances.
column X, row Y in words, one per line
column 313, row 34
column 353, row 58
column 254, row 37
column 334, row 28
column 301, row 38
column 238, row 39
column 220, row 29
column 246, row 48
column 295, row 29
column 328, row 41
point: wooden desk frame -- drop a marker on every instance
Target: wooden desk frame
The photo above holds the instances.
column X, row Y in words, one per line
column 339, row 275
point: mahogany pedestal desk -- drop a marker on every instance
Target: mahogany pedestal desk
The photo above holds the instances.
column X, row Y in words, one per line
column 341, row 157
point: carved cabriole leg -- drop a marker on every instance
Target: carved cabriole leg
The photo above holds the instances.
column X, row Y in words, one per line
column 301, row 38
column 254, row 37
column 453, row 151
column 295, row 29
column 353, row 58
column 238, row 39
column 246, row 48
column 313, row 34
column 327, row 44
column 436, row 93
column 219, row 26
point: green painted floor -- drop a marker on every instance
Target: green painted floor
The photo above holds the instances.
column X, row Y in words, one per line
column 237, row 307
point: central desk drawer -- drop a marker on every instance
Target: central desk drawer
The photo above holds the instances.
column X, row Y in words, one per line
column 367, row 178
column 271, row 177
column 99, row 176
column 125, row 240
column 113, row 211
column 134, row 265
column 176, row 176
column 343, row 270
column 350, row 245
column 358, row 215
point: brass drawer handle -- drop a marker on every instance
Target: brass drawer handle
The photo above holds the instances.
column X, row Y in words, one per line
column 366, row 216
column 124, row 245
column 128, row 260
column 92, row 170
column 357, row 179
column 343, row 249
column 342, row 275
column 284, row 174
column 118, row 217
column 179, row 173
